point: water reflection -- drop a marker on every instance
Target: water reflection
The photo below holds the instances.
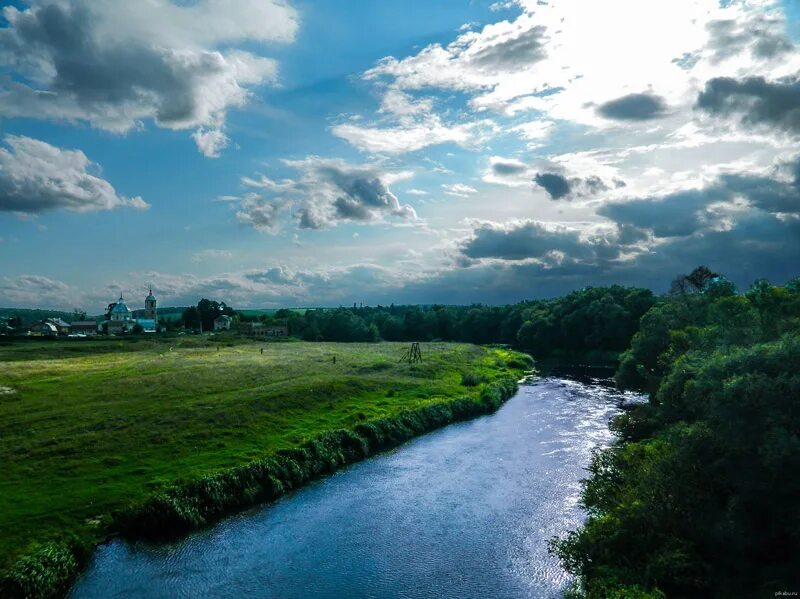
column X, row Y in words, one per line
column 462, row 512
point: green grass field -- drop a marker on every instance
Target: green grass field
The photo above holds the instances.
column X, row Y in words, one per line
column 88, row 427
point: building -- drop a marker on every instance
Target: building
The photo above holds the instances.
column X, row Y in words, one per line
column 120, row 320
column 150, row 312
column 222, row 323
column 43, row 328
column 254, row 329
column 148, row 325
column 259, row 329
column 83, row 327
column 62, row 327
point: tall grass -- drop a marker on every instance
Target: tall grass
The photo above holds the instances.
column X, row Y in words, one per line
column 197, row 503
column 46, row 571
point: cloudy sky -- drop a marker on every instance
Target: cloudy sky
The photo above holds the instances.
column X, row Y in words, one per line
column 305, row 153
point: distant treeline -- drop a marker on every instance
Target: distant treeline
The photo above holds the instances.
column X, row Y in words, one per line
column 24, row 316
column 599, row 319
column 700, row 497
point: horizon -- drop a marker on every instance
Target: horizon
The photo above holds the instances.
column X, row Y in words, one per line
column 664, row 291
column 272, row 154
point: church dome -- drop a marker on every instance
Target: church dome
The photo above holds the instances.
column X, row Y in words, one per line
column 150, row 297
column 120, row 308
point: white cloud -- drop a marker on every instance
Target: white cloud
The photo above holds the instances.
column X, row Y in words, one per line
column 114, row 64
column 566, row 58
column 537, row 130
column 35, row 291
column 409, row 125
column 210, row 142
column 459, row 190
column 37, row 177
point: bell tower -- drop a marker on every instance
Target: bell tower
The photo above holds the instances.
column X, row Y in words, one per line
column 150, row 306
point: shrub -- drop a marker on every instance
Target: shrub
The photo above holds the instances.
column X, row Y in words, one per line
column 44, row 572
column 472, row 380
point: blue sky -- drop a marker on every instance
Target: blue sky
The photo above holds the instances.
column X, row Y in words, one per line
column 318, row 153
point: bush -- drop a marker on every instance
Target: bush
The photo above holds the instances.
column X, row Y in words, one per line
column 472, row 380
column 44, row 572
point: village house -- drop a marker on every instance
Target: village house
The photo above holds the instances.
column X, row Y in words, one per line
column 222, row 323
column 259, row 329
column 43, row 328
column 83, row 327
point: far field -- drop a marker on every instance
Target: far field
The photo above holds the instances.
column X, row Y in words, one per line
column 87, row 427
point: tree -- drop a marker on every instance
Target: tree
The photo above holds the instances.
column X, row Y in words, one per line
column 110, row 307
column 191, row 318
column 700, row 277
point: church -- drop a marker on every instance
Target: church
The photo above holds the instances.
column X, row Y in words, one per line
column 119, row 318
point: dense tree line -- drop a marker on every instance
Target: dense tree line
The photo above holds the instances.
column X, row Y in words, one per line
column 699, row 497
column 204, row 313
column 591, row 319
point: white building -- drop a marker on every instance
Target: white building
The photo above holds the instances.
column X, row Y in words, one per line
column 222, row 323
column 120, row 318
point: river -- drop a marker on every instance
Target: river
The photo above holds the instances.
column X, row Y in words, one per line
column 463, row 512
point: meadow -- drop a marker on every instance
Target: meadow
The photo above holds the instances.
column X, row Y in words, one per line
column 90, row 427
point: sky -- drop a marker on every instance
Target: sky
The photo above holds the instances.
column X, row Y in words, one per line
column 269, row 153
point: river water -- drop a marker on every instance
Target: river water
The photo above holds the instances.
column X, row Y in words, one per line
column 463, row 512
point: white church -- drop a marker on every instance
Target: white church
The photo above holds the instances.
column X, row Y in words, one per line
column 120, row 318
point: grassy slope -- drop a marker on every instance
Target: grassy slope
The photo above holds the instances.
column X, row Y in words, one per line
column 96, row 425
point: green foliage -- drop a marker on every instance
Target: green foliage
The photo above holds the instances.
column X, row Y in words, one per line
column 587, row 320
column 699, row 496
column 472, row 380
column 45, row 571
column 592, row 319
column 204, row 314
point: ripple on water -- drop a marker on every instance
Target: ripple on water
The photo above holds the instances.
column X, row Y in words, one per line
column 462, row 512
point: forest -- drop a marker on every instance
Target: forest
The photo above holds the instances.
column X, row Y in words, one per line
column 594, row 322
column 698, row 497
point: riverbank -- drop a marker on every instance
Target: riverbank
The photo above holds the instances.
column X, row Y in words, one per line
column 463, row 511
column 157, row 441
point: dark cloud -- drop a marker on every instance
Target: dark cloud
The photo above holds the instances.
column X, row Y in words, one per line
column 502, row 168
column 758, row 101
column 595, row 184
column 557, row 186
column 675, row 215
column 36, row 177
column 349, row 208
column 762, row 36
column 514, row 52
column 530, row 239
column 692, row 211
column 634, row 107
